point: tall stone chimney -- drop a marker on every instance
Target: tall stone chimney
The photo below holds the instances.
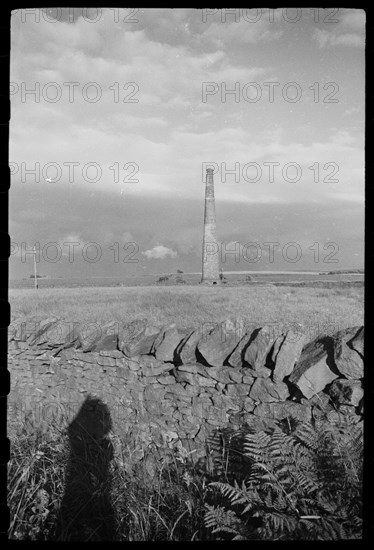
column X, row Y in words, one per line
column 211, row 253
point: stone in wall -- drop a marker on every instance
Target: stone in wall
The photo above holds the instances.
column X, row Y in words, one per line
column 160, row 336
column 68, row 353
column 21, row 329
column 195, row 379
column 320, row 403
column 124, row 375
column 194, row 368
column 348, row 410
column 129, row 331
column 107, row 343
column 335, row 417
column 279, row 411
column 360, row 409
column 236, row 358
column 257, row 352
column 41, row 335
column 346, row 392
column 320, row 412
column 186, row 350
column 153, row 394
column 151, row 366
column 137, row 338
column 357, row 342
column 106, row 361
column 166, row 379
column 266, row 391
column 288, row 354
column 216, row 346
column 94, row 337
column 348, row 361
column 226, row 402
column 313, row 371
column 64, row 334
column 238, row 391
column 261, row 372
column 164, row 348
column 115, row 353
column 276, row 347
column 236, row 376
column 12, row 330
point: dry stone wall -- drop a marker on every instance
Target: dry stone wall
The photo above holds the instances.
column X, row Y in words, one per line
column 166, row 385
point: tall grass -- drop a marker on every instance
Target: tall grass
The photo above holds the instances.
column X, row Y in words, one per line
column 169, row 497
column 164, row 503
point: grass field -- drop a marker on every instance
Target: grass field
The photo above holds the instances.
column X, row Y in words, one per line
column 317, row 309
column 308, row 278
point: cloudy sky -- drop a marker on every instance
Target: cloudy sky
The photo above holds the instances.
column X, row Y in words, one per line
column 115, row 114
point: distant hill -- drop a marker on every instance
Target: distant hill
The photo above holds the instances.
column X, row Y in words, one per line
column 344, row 271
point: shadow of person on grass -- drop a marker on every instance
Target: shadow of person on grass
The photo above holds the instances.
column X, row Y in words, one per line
column 86, row 511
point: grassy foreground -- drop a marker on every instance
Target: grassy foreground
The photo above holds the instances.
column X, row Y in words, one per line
column 319, row 310
column 129, row 506
column 304, row 486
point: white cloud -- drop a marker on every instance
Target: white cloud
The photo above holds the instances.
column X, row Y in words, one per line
column 160, row 252
column 348, row 197
column 71, row 244
column 343, row 137
column 348, row 31
column 352, row 111
column 326, row 38
column 127, row 237
column 242, row 32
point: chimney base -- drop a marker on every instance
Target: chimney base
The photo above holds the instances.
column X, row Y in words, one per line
column 210, row 282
